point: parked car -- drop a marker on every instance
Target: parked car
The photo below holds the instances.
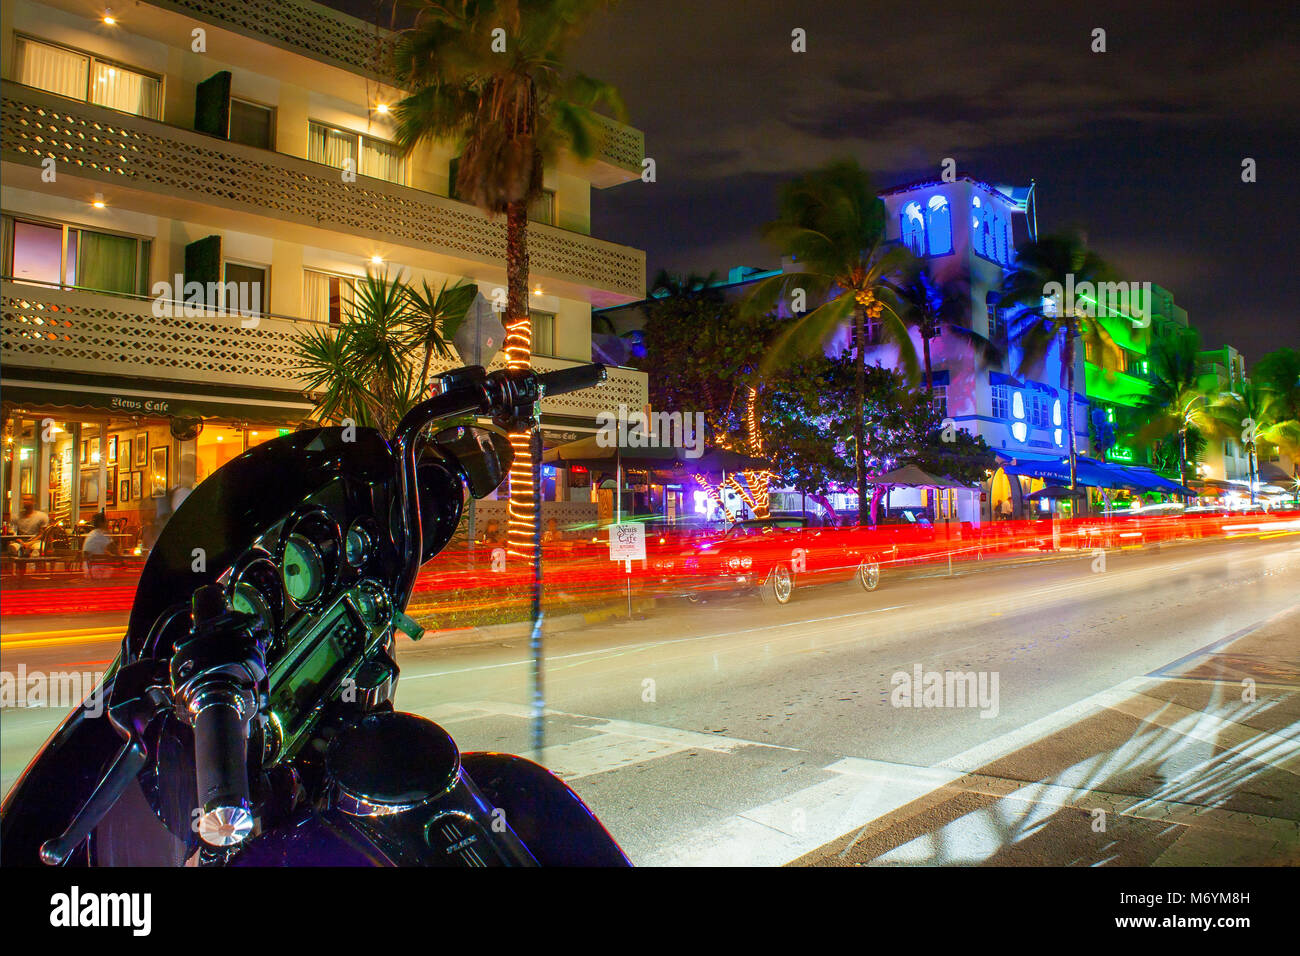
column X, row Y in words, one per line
column 773, row 556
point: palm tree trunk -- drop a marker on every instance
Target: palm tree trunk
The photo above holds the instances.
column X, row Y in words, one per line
column 1254, row 468
column 525, row 514
column 929, row 372
column 860, row 393
column 1068, row 357
column 424, row 372
column 1182, row 460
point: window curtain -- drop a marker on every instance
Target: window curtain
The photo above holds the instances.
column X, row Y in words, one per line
column 106, row 263
column 327, row 298
column 52, row 69
column 316, row 297
column 382, row 161
column 331, row 146
column 124, row 90
column 543, row 332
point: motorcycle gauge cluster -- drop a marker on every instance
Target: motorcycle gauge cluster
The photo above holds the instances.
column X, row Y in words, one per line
column 311, row 550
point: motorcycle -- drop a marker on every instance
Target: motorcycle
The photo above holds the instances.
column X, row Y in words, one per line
column 249, row 718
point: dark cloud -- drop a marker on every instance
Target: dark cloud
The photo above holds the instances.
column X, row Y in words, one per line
column 1141, row 144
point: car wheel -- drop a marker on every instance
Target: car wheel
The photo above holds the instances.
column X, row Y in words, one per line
column 779, row 586
column 695, row 597
column 869, row 575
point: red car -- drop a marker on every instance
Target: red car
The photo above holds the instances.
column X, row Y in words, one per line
column 772, row 555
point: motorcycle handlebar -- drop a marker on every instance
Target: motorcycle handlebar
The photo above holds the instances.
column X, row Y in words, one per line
column 221, row 765
column 572, row 379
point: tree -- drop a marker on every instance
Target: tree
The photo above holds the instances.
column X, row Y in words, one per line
column 434, row 319
column 1175, row 404
column 809, row 417
column 705, row 355
column 1252, row 415
column 1066, row 260
column 932, row 308
column 832, row 225
column 1279, row 372
column 362, row 370
column 489, row 74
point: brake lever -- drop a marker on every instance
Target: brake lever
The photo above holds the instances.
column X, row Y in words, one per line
column 140, row 693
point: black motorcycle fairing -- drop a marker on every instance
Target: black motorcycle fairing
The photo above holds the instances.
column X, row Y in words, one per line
column 225, row 515
column 55, row 784
column 544, row 812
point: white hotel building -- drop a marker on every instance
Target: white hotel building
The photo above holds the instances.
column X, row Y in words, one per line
column 205, row 138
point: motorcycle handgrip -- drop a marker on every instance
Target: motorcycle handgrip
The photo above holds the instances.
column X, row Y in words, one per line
column 221, row 766
column 572, row 379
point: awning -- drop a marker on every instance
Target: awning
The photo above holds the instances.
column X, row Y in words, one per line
column 1090, row 472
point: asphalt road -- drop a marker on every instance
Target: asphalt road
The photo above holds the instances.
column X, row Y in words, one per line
column 738, row 733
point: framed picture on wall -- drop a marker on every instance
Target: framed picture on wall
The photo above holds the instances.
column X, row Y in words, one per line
column 94, row 451
column 110, row 488
column 124, row 490
column 158, row 471
column 90, row 489
column 112, row 449
column 84, row 443
column 25, row 482
column 125, row 452
column 54, row 472
column 141, row 448
column 137, row 484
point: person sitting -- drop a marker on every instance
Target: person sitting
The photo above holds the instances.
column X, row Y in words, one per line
column 492, row 534
column 99, row 549
column 30, row 526
column 552, row 532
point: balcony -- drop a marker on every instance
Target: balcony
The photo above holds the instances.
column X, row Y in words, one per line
column 326, row 36
column 70, row 330
column 178, row 173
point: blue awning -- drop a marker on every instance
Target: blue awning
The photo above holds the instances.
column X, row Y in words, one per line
column 1088, row 472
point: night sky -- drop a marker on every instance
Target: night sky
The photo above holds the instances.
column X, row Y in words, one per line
column 1141, row 145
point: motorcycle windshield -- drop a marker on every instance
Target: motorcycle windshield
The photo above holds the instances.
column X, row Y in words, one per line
column 230, row 510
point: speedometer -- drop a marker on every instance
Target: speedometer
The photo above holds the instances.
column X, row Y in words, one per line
column 246, row 599
column 303, row 570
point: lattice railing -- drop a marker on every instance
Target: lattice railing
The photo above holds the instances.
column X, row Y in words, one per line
column 91, row 332
column 332, row 37
column 128, row 150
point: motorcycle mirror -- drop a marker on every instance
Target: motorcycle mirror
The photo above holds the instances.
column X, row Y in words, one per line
column 483, row 455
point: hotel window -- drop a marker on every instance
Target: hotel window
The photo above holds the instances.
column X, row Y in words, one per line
column 938, row 226
column 939, row 400
column 912, row 228
column 327, row 298
column 542, row 209
column 1039, row 410
column 1001, row 402
column 252, row 124
column 59, row 255
column 250, row 290
column 543, row 332
column 366, row 155
column 81, row 76
column 997, row 318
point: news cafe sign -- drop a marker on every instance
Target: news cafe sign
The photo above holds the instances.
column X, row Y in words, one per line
column 156, row 406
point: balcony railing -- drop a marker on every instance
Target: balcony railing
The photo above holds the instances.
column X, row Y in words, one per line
column 329, row 36
column 129, row 151
column 71, row 330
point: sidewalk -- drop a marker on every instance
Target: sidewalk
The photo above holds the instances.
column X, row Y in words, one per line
column 1171, row 769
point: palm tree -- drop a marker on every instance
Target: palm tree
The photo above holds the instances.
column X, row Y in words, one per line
column 932, row 308
column 832, row 225
column 1052, row 259
column 1175, row 403
column 361, row 370
column 1254, row 414
column 434, row 319
column 508, row 102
